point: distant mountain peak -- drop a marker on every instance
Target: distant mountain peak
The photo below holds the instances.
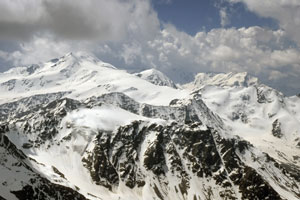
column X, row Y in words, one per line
column 231, row 79
column 74, row 61
column 76, row 56
column 156, row 77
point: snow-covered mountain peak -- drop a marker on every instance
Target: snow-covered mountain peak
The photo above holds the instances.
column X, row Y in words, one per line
column 82, row 56
column 232, row 79
column 70, row 60
column 156, row 77
column 83, row 76
column 79, row 55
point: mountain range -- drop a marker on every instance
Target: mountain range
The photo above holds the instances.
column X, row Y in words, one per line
column 79, row 128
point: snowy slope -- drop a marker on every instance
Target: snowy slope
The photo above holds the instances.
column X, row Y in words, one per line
column 231, row 79
column 254, row 111
column 21, row 177
column 84, row 76
column 156, row 77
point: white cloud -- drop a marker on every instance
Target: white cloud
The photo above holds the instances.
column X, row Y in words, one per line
column 131, row 53
column 223, row 49
column 277, row 75
column 261, row 52
column 38, row 50
column 286, row 12
column 76, row 19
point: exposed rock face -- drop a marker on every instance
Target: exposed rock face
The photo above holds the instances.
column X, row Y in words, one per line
column 41, row 188
column 43, row 122
column 8, row 110
column 276, row 129
column 189, row 153
column 266, row 94
column 10, row 84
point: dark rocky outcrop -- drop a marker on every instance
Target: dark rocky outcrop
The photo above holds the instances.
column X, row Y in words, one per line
column 41, row 188
column 276, row 129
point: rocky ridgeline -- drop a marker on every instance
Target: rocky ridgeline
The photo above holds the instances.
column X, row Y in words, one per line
column 20, row 107
column 44, row 120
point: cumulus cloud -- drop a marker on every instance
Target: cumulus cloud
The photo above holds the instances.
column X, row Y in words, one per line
column 251, row 49
column 275, row 75
column 286, row 12
column 37, row 50
column 76, row 19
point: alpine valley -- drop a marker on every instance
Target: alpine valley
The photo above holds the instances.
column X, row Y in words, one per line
column 78, row 128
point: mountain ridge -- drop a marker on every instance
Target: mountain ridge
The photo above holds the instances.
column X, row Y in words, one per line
column 231, row 79
column 83, row 76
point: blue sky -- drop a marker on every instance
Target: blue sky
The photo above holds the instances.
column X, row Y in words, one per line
column 193, row 16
